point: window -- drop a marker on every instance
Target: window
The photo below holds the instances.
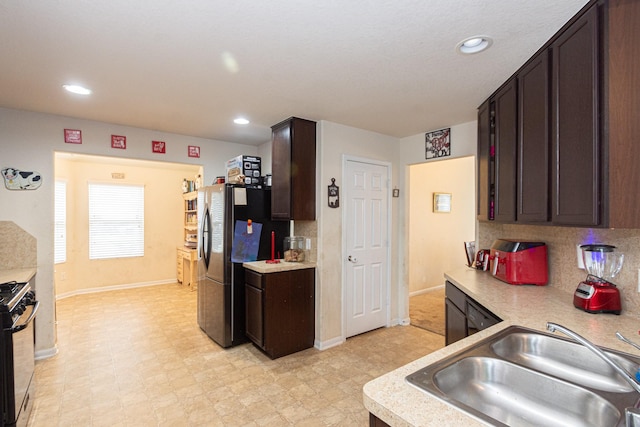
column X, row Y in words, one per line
column 60, row 223
column 116, row 221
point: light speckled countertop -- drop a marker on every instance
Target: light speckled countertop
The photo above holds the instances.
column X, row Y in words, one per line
column 265, row 267
column 19, row 275
column 397, row 403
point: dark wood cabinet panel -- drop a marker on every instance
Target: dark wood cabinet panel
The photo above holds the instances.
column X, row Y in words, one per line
column 575, row 124
column 456, row 323
column 505, row 152
column 293, row 175
column 280, row 310
column 254, row 314
column 484, row 160
column 623, row 105
column 533, row 141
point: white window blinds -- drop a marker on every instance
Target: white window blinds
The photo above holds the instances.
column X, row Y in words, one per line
column 60, row 223
column 116, row 221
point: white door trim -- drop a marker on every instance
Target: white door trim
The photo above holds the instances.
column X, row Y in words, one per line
column 344, row 196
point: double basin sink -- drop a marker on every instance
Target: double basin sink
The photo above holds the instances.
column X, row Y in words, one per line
column 524, row 377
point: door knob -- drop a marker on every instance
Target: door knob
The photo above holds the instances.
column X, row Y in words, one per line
column 352, row 259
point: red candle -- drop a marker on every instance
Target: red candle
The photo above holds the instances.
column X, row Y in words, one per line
column 273, row 244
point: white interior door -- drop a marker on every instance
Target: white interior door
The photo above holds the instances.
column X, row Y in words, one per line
column 366, row 264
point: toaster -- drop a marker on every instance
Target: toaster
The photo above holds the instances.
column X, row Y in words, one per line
column 519, row 262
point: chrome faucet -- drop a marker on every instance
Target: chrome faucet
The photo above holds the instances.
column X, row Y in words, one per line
column 552, row 327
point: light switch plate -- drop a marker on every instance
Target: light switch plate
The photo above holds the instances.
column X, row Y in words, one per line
column 579, row 255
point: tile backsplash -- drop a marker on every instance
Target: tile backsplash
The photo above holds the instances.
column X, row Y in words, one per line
column 561, row 246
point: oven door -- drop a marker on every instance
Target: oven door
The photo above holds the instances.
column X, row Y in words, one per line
column 19, row 366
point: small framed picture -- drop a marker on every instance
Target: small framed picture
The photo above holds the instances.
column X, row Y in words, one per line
column 119, row 141
column 73, row 136
column 194, row 151
column 442, row 202
column 437, row 143
column 158, row 147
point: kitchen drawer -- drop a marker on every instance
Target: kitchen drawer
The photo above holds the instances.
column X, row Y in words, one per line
column 252, row 278
column 457, row 297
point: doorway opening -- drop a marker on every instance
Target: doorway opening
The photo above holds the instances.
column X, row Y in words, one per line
column 76, row 273
column 435, row 239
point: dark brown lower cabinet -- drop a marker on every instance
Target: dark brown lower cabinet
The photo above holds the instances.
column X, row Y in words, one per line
column 376, row 422
column 280, row 310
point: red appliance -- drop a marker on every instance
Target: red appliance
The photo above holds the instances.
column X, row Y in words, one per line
column 596, row 295
column 519, row 263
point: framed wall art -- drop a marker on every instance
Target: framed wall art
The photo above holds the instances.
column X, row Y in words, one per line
column 437, row 143
column 442, row 202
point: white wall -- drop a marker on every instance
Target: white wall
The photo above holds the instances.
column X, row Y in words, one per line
column 335, row 141
column 28, row 142
column 435, row 239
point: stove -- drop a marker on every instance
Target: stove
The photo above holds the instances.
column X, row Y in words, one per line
column 18, row 308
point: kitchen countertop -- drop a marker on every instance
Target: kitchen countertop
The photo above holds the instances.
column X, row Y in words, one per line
column 264, row 267
column 397, row 403
column 19, row 275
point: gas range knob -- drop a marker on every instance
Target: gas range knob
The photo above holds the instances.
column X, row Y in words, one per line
column 19, row 309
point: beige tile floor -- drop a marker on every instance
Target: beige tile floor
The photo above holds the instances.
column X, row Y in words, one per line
column 137, row 358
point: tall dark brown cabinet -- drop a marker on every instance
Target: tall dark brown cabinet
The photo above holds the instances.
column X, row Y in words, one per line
column 575, row 124
column 533, row 141
column 293, row 191
column 578, row 104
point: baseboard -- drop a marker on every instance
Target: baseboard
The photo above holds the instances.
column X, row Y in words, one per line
column 425, row 291
column 114, row 288
column 46, row 353
column 324, row 345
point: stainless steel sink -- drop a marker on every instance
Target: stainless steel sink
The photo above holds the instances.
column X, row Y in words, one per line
column 516, row 396
column 523, row 377
column 564, row 359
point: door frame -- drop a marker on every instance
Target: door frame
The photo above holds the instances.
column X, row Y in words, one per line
column 345, row 196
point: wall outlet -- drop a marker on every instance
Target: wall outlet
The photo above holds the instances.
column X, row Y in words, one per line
column 307, row 244
column 579, row 255
column 639, row 280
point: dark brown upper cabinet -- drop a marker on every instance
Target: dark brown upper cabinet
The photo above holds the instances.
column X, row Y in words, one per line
column 533, row 141
column 293, row 175
column 505, row 146
column 578, row 104
column 485, row 164
column 575, row 124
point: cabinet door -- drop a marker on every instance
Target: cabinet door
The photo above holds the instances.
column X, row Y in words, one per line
column 254, row 314
column 293, row 182
column 281, row 171
column 456, row 322
column 575, row 126
column 505, row 152
column 289, row 311
column 484, row 162
column 533, row 141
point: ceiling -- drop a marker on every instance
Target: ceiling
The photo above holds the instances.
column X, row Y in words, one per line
column 191, row 67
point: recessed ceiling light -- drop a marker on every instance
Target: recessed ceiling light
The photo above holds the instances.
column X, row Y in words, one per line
column 77, row 89
column 474, row 44
column 241, row 121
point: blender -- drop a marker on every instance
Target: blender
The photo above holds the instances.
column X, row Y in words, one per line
column 597, row 294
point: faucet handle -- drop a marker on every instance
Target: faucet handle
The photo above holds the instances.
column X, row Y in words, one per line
column 632, row 417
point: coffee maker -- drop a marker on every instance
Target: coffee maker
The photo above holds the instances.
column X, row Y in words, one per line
column 597, row 294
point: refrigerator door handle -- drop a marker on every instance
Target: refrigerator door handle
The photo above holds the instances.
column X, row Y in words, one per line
column 205, row 244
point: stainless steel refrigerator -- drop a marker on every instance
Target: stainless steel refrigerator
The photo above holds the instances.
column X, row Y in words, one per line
column 221, row 297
